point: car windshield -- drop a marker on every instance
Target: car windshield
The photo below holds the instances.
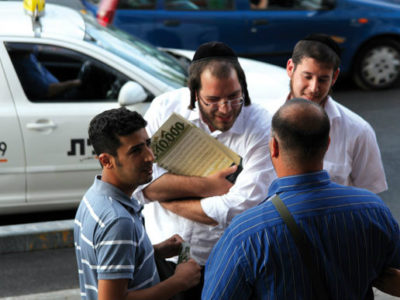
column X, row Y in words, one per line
column 139, row 53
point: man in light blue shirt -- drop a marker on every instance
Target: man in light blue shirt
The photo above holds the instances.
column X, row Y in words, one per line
column 114, row 254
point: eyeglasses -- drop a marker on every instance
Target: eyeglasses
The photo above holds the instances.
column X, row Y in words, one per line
column 235, row 102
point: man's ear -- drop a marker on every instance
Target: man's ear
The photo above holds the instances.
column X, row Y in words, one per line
column 327, row 147
column 290, row 67
column 106, row 160
column 274, row 147
column 335, row 76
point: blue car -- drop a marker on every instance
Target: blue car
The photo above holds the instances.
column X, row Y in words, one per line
column 368, row 31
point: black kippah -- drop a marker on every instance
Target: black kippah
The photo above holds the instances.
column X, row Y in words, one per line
column 213, row 49
column 324, row 39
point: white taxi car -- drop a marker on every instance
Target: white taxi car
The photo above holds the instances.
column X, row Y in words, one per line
column 46, row 160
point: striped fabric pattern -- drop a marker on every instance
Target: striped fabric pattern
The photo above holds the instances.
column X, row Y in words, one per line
column 111, row 242
column 353, row 233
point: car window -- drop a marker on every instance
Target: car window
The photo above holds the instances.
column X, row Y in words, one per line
column 137, row 4
column 50, row 73
column 137, row 52
column 180, row 5
column 293, row 4
column 312, row 4
column 212, row 4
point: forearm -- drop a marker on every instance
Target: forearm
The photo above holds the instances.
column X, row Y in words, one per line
column 60, row 87
column 189, row 209
column 168, row 248
column 171, row 186
column 117, row 290
column 389, row 282
column 164, row 290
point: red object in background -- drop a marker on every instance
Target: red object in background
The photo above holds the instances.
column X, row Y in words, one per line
column 106, row 12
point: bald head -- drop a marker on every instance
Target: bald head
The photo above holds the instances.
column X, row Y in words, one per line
column 302, row 130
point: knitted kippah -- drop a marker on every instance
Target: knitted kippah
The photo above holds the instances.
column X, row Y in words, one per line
column 324, row 39
column 212, row 50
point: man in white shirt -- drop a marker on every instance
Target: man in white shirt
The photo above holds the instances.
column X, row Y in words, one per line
column 353, row 157
column 199, row 209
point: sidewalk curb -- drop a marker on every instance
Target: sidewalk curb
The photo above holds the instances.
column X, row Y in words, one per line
column 72, row 294
column 36, row 236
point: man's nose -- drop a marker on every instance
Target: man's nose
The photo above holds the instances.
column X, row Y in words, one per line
column 149, row 154
column 225, row 107
column 314, row 85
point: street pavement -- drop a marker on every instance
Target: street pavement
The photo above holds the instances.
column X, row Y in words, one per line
column 72, row 294
column 381, row 109
column 30, row 273
column 53, row 271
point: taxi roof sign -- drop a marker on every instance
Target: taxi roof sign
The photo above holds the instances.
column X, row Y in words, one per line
column 35, row 8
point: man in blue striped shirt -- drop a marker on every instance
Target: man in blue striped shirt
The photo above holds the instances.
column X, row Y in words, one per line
column 354, row 236
column 114, row 254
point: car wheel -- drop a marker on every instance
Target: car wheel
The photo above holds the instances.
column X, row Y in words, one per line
column 377, row 66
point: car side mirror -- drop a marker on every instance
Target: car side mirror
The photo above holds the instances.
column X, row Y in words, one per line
column 131, row 93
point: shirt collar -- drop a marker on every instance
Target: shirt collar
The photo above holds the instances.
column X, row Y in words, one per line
column 331, row 109
column 115, row 193
column 237, row 128
column 291, row 183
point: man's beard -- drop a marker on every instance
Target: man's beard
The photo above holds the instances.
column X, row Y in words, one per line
column 320, row 102
column 207, row 117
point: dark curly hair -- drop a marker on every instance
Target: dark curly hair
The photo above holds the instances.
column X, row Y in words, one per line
column 106, row 127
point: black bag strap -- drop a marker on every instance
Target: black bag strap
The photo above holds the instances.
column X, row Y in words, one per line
column 303, row 245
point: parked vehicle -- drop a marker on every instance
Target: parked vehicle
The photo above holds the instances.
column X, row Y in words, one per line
column 46, row 160
column 368, row 31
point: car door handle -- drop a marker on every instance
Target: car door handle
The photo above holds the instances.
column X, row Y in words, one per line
column 259, row 22
column 41, row 125
column 172, row 22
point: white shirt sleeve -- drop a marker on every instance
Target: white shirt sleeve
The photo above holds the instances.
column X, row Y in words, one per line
column 353, row 157
column 251, row 186
column 367, row 169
